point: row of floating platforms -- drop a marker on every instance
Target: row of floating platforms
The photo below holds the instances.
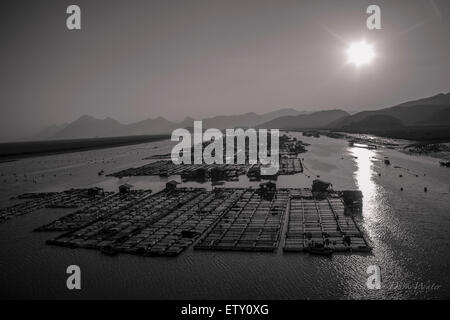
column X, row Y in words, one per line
column 165, row 223
column 234, row 219
column 166, row 168
column 105, row 206
column 69, row 199
column 289, row 165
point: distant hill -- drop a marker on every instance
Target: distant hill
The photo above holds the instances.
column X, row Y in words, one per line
column 89, row 127
column 49, row 132
column 186, row 123
column 250, row 119
column 315, row 120
column 418, row 112
column 374, row 123
column 440, row 118
column 149, row 126
column 428, row 113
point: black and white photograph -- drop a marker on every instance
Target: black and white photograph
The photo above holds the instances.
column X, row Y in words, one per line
column 225, row 150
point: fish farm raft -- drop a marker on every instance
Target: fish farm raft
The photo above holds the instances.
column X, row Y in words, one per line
column 233, row 219
column 289, row 164
column 204, row 172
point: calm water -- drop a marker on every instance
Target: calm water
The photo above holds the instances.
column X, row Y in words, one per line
column 409, row 230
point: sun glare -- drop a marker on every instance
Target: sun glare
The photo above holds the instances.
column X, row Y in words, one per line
column 360, row 53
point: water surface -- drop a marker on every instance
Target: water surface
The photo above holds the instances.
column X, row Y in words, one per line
column 409, row 230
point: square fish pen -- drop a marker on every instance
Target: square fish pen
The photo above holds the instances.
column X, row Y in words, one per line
column 163, row 224
column 103, row 207
column 322, row 223
column 112, row 232
column 290, row 165
column 177, row 230
column 69, row 199
column 252, row 223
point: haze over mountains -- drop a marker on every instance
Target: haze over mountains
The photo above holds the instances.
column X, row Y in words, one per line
column 315, row 120
column 89, row 127
column 430, row 111
column 427, row 112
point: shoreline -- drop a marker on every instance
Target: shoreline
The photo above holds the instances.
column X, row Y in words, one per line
column 13, row 151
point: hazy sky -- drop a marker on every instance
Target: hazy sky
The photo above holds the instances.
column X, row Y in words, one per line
column 139, row 59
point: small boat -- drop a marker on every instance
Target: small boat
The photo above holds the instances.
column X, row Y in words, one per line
column 319, row 250
column 445, row 164
column 387, row 161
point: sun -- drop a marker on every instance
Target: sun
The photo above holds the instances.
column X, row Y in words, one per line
column 360, row 53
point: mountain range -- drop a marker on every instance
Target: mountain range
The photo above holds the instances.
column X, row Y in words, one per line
column 320, row 119
column 89, row 127
column 428, row 112
column 432, row 111
column 416, row 115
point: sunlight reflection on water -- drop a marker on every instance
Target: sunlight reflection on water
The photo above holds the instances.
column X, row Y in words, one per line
column 364, row 179
column 375, row 204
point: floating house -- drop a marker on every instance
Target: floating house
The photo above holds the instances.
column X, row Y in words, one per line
column 267, row 190
column 353, row 200
column 125, row 188
column 321, row 186
column 94, row 191
column 172, row 185
column 218, row 173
